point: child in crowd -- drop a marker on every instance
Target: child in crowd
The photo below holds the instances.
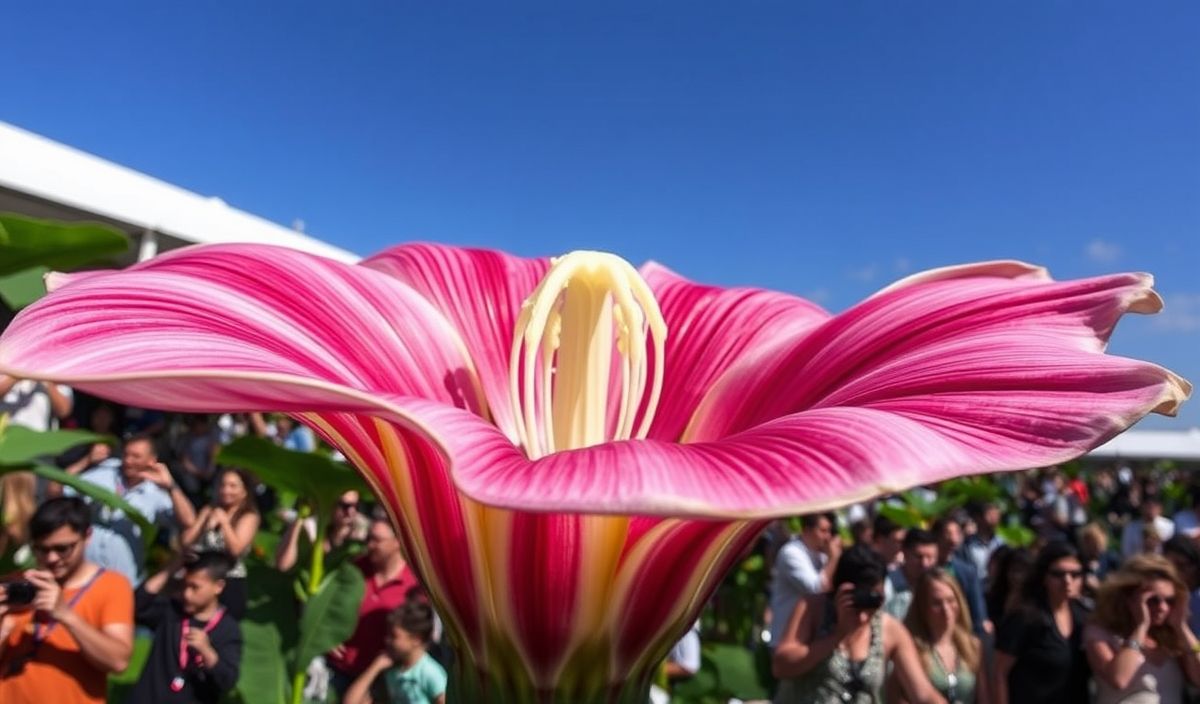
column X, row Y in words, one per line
column 197, row 647
column 404, row 673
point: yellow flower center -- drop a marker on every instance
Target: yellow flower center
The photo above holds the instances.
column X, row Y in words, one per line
column 564, row 360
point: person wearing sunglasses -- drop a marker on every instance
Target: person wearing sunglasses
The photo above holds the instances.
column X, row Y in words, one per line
column 346, row 528
column 1138, row 643
column 66, row 625
column 1039, row 644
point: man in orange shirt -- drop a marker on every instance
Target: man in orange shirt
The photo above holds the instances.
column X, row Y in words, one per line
column 68, row 624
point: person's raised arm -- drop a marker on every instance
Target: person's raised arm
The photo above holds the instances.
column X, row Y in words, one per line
column 60, row 403
column 907, row 664
column 181, row 505
column 797, row 652
column 192, row 533
column 238, row 537
column 289, row 546
column 108, row 648
column 360, row 691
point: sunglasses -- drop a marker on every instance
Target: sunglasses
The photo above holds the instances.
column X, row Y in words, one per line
column 60, row 550
column 346, row 505
column 1157, row 601
column 1065, row 574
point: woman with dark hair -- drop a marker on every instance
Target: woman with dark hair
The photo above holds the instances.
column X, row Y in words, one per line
column 1039, row 644
column 1139, row 644
column 1007, row 570
column 228, row 525
column 837, row 645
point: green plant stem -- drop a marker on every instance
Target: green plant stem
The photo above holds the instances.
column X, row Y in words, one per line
column 316, row 573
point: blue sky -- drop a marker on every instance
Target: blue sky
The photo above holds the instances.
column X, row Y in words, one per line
column 819, row 148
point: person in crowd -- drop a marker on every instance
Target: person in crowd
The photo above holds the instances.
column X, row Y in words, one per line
column 73, row 626
column 146, row 422
column 1007, row 571
column 803, row 566
column 228, row 525
column 1039, row 655
column 146, row 485
column 196, row 653
column 1098, row 560
column 1184, row 553
column 343, row 531
column 285, row 431
column 920, row 550
column 38, row 406
column 18, row 501
column 1139, row 645
column 950, row 652
column 388, row 582
column 887, row 538
column 683, row 662
column 1133, row 537
column 197, row 452
column 949, row 535
column 404, row 673
column 978, row 547
column 1187, row 520
column 838, row 645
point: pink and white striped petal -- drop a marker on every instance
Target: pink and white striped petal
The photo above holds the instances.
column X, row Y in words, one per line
column 708, row 330
column 242, row 311
column 481, row 292
column 1013, row 328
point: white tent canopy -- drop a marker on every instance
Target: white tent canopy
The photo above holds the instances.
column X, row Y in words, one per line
column 42, row 178
column 1180, row 445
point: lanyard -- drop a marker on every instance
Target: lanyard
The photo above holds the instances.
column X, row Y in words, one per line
column 42, row 631
column 185, row 626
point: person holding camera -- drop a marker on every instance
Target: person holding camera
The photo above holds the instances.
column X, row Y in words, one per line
column 65, row 626
column 837, row 645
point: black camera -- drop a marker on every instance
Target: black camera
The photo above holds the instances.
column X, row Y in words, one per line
column 19, row 593
column 866, row 599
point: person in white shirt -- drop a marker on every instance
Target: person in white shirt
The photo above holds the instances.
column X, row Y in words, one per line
column 803, row 566
column 36, row 405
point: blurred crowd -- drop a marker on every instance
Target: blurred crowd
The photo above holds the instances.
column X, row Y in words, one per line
column 91, row 583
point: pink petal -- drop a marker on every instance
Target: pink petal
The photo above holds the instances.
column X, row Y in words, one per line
column 1022, row 335
column 240, row 310
column 708, row 330
column 481, row 292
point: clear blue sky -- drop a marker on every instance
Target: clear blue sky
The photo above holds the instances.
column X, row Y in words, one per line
column 821, row 148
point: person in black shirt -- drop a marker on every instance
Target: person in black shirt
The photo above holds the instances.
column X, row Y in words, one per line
column 197, row 647
column 1039, row 644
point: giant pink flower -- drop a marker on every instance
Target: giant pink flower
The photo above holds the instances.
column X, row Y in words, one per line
column 574, row 451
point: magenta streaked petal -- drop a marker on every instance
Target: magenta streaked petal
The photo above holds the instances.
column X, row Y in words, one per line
column 708, row 330
column 480, row 291
column 902, row 342
column 232, row 310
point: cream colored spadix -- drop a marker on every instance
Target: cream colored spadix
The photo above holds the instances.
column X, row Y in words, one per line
column 563, row 355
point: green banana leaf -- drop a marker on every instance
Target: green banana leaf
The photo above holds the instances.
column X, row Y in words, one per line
column 317, row 478
column 24, row 287
column 330, row 614
column 270, row 632
column 20, row 447
column 29, row 242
